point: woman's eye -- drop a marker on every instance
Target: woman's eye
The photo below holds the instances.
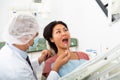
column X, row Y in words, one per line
column 66, row 30
column 58, row 32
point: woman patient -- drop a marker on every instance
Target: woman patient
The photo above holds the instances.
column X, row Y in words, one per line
column 58, row 37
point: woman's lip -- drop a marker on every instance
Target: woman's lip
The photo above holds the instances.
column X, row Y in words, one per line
column 65, row 42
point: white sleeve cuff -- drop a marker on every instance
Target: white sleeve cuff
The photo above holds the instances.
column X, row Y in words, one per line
column 53, row 76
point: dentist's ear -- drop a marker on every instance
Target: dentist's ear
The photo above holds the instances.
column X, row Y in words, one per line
column 36, row 35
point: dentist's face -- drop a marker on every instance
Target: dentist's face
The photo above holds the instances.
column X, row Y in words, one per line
column 61, row 36
column 31, row 42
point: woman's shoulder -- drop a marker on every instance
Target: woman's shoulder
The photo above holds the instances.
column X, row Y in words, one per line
column 82, row 55
column 48, row 62
column 51, row 59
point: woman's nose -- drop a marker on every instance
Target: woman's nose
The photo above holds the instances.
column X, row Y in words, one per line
column 63, row 33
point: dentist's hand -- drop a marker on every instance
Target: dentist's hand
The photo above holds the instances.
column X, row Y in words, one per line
column 45, row 54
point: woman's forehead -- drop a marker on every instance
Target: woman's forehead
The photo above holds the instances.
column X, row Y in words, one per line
column 59, row 26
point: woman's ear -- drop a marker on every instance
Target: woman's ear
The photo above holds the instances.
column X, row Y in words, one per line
column 51, row 39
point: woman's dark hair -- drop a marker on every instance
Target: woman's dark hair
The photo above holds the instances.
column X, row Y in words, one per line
column 47, row 33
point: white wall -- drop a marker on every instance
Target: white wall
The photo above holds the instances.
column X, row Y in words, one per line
column 85, row 19
column 6, row 8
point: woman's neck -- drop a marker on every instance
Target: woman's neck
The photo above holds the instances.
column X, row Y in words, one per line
column 61, row 51
column 72, row 54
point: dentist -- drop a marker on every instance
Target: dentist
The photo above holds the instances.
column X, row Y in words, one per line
column 14, row 61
